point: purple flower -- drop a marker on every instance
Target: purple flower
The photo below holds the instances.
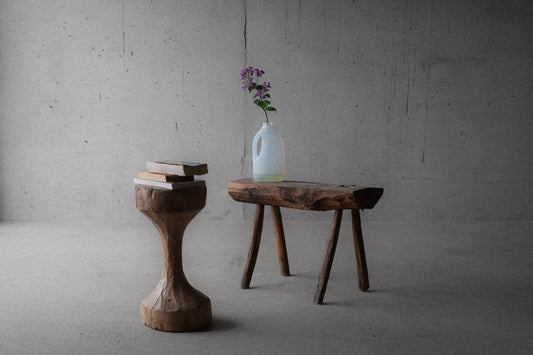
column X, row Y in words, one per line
column 250, row 81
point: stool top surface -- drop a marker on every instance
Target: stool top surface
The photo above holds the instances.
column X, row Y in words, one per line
column 159, row 200
column 304, row 195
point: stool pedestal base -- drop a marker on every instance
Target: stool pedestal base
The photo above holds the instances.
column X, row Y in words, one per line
column 174, row 305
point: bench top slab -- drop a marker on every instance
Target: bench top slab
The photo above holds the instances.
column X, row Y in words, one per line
column 304, row 195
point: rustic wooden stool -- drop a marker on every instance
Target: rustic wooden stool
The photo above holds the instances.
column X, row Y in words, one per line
column 174, row 305
column 305, row 196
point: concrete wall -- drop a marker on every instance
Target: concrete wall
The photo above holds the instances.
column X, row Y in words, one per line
column 430, row 100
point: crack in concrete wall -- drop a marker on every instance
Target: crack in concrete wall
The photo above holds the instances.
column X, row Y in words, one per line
column 426, row 99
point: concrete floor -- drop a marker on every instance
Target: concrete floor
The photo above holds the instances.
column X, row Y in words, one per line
column 435, row 288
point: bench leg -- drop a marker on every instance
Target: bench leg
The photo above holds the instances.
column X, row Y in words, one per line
column 362, row 271
column 328, row 258
column 280, row 241
column 254, row 247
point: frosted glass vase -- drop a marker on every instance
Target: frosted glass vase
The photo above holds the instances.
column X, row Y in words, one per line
column 268, row 154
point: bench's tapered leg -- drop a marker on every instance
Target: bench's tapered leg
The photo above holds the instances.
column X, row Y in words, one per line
column 280, row 241
column 328, row 258
column 362, row 271
column 254, row 247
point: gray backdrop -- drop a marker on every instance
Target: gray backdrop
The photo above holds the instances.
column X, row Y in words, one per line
column 429, row 99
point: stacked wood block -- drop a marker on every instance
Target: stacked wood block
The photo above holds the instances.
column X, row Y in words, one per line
column 171, row 176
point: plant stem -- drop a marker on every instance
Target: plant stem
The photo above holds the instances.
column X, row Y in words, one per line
column 266, row 116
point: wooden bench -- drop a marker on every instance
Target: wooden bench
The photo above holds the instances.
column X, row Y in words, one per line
column 312, row 197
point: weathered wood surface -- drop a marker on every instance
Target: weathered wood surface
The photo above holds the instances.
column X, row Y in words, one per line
column 164, row 177
column 362, row 271
column 280, row 241
column 304, row 195
column 257, row 229
column 174, row 305
column 155, row 199
column 328, row 257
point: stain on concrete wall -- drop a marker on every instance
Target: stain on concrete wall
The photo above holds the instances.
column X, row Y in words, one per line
column 429, row 100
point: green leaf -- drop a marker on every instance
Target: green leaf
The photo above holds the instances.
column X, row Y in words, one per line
column 266, row 102
column 257, row 102
column 271, row 109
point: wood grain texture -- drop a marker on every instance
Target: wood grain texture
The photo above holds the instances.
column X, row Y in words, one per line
column 164, row 177
column 328, row 258
column 174, row 305
column 304, row 195
column 154, row 199
column 254, row 247
column 174, row 168
column 280, row 241
column 362, row 271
